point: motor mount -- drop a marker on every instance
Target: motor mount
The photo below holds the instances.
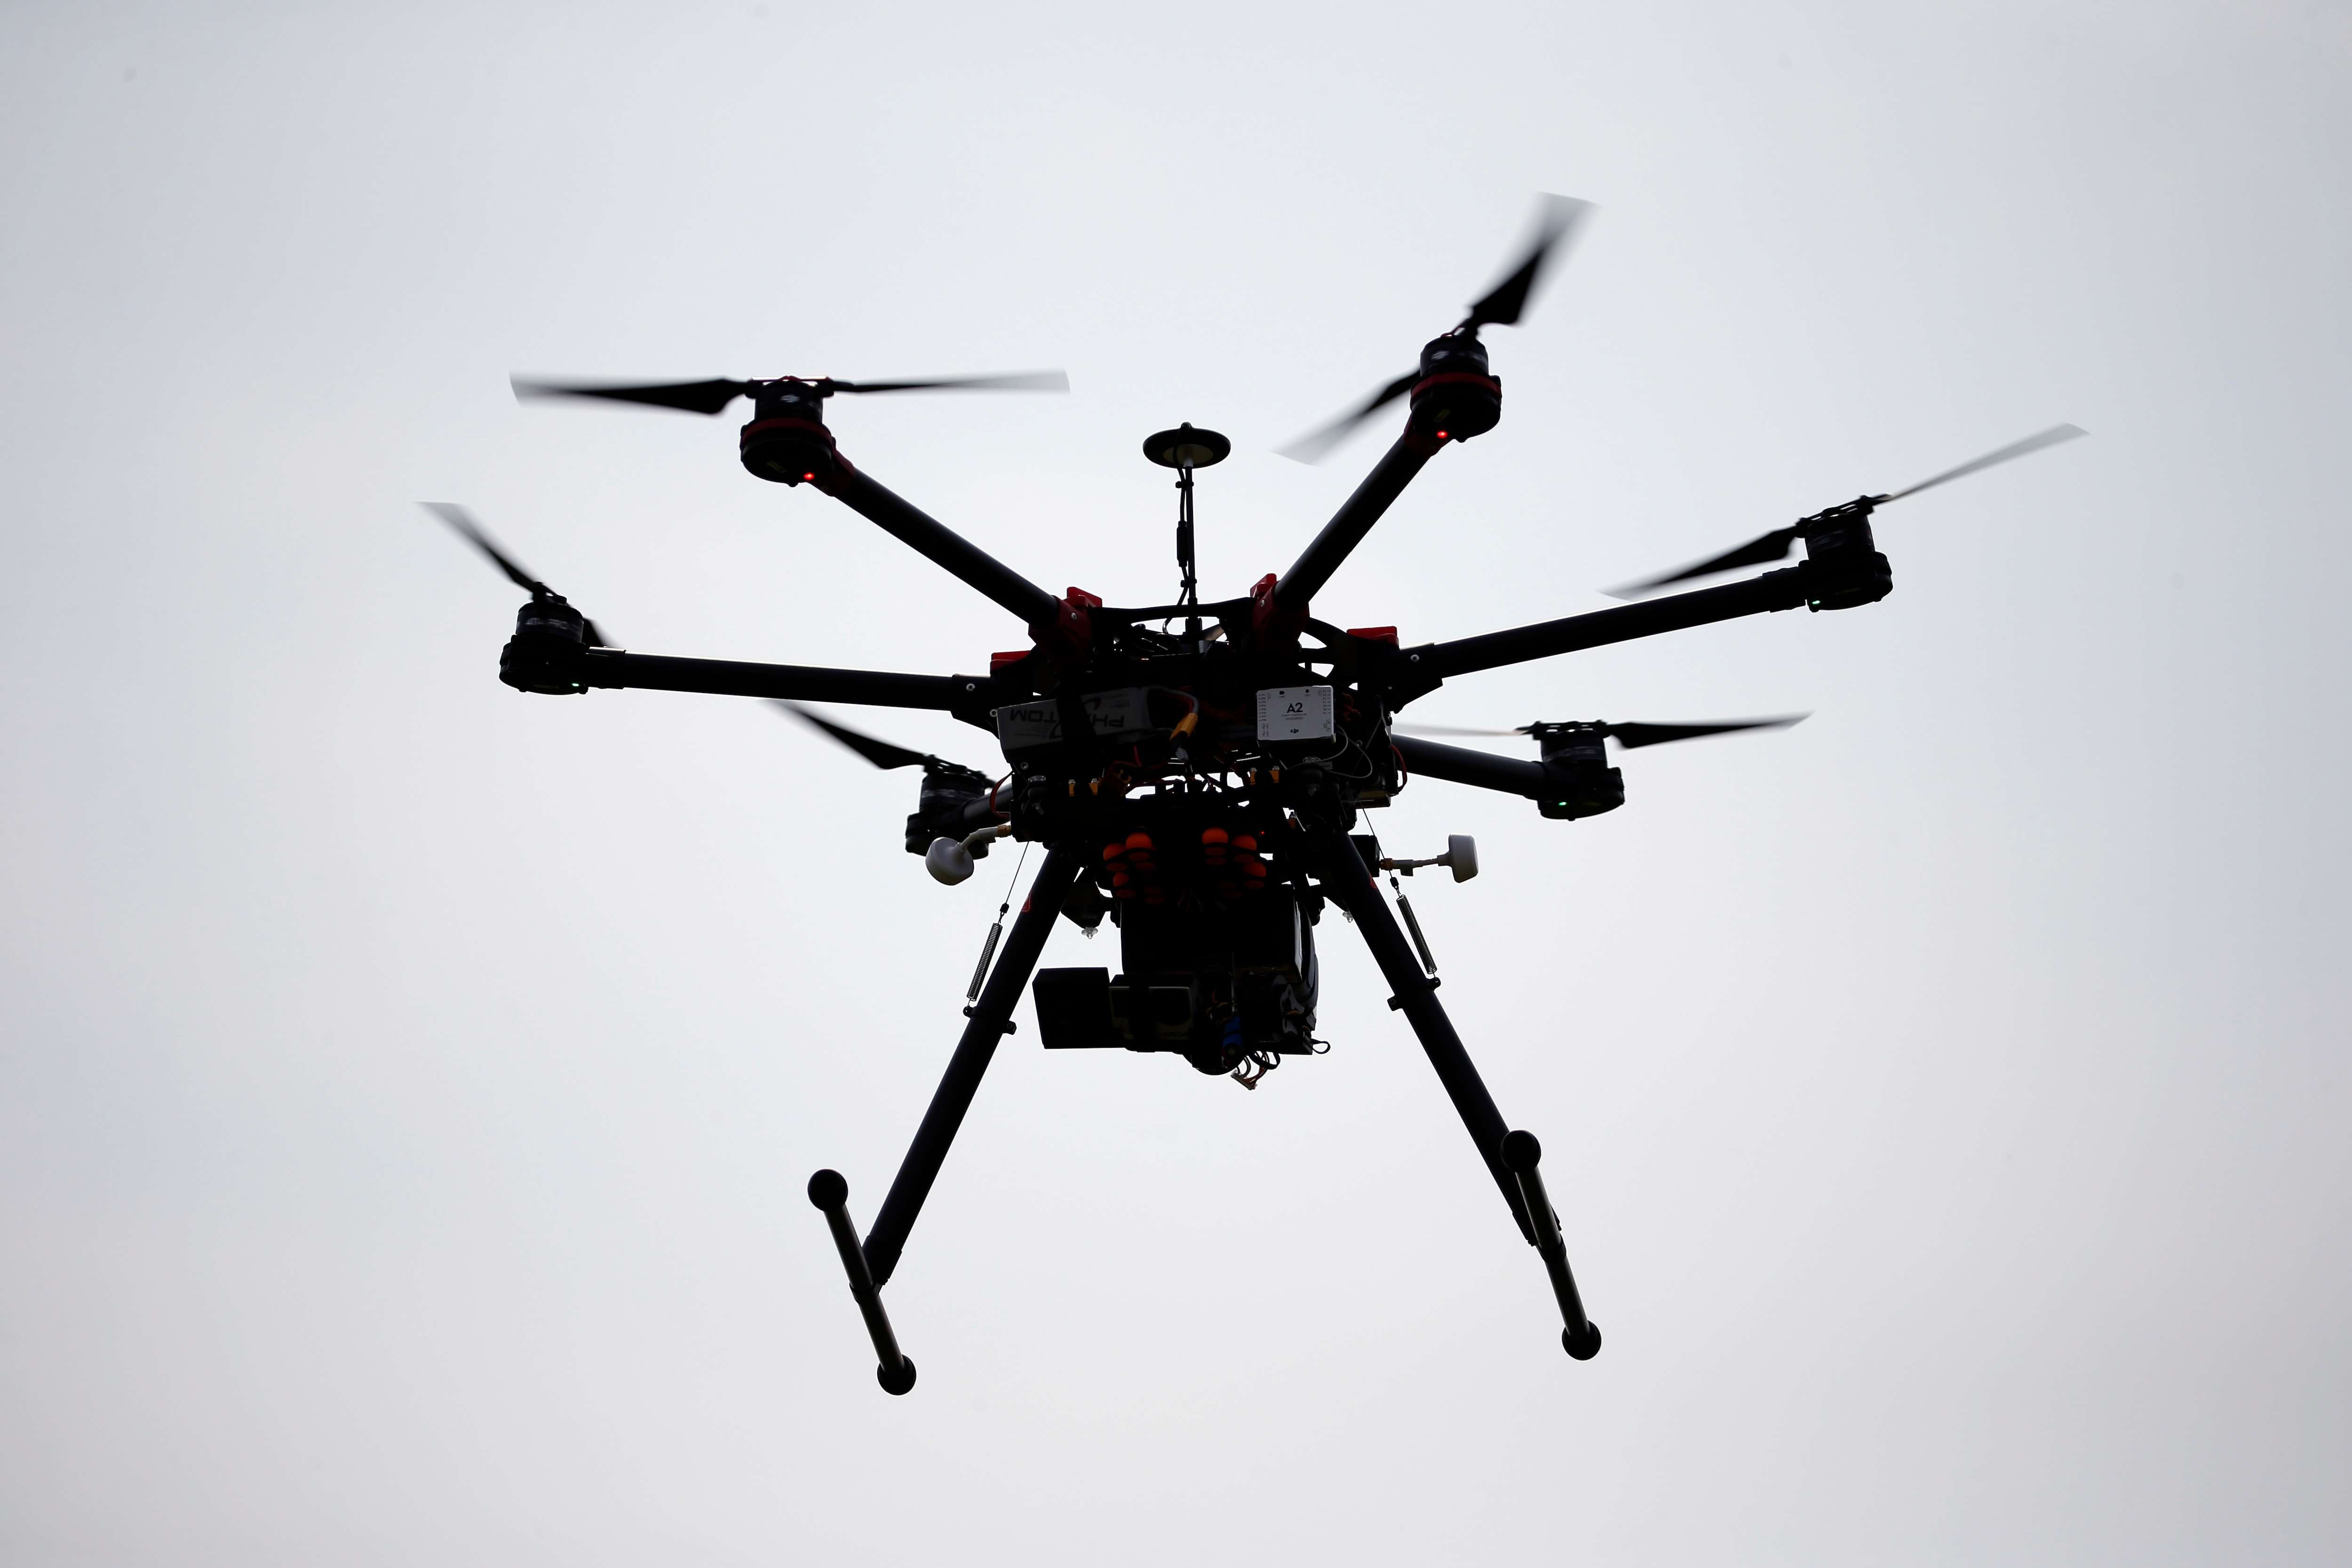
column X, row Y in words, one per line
column 1456, row 397
column 954, row 802
column 1576, row 758
column 544, row 655
column 1843, row 567
column 787, row 442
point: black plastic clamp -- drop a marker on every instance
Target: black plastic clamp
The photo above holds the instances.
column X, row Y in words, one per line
column 1396, row 1003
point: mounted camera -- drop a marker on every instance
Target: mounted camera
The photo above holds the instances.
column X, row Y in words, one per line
column 1216, row 944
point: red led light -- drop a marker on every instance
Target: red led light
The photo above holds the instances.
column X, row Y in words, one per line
column 1441, row 435
column 808, row 476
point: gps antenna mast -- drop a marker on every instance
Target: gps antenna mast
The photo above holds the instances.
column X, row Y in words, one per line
column 1184, row 449
column 1188, row 590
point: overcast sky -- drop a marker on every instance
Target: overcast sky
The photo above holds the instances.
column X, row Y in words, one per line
column 410, row 1085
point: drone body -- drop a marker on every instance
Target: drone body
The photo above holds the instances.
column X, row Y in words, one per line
column 1198, row 773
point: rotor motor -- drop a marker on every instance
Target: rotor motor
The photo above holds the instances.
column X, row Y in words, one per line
column 954, row 802
column 1843, row 567
column 1577, row 758
column 1456, row 397
column 544, row 656
column 786, row 441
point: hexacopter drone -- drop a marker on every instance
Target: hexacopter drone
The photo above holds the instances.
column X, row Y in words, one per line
column 1196, row 772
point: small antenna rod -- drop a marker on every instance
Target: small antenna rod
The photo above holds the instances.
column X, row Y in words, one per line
column 1189, row 589
column 1184, row 449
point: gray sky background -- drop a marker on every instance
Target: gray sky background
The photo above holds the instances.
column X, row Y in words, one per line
column 409, row 1085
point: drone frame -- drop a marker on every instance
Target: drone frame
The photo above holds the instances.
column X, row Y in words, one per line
column 1454, row 398
column 1061, row 628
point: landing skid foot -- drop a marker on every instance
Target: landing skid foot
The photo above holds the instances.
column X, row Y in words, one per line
column 894, row 1369
column 1521, row 1155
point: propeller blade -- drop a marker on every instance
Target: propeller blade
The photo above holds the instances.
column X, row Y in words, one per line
column 881, row 754
column 1557, row 218
column 1451, row 730
column 1632, row 735
column 1628, row 735
column 2015, row 449
column 1028, row 381
column 459, row 518
column 1776, row 545
column 692, row 397
column 1772, row 546
column 1316, row 445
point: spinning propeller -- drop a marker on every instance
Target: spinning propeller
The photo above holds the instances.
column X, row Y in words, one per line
column 1776, row 545
column 459, row 518
column 1626, row 735
column 1556, row 220
column 1574, row 779
column 713, row 396
column 881, row 754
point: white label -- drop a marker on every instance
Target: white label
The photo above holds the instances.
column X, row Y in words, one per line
column 1295, row 714
column 1120, row 715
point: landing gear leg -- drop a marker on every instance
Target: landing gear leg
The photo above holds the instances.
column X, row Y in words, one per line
column 1511, row 1157
column 870, row 1265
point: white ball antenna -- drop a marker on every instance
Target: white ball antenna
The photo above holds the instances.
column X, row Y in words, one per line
column 1461, row 855
column 948, row 861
